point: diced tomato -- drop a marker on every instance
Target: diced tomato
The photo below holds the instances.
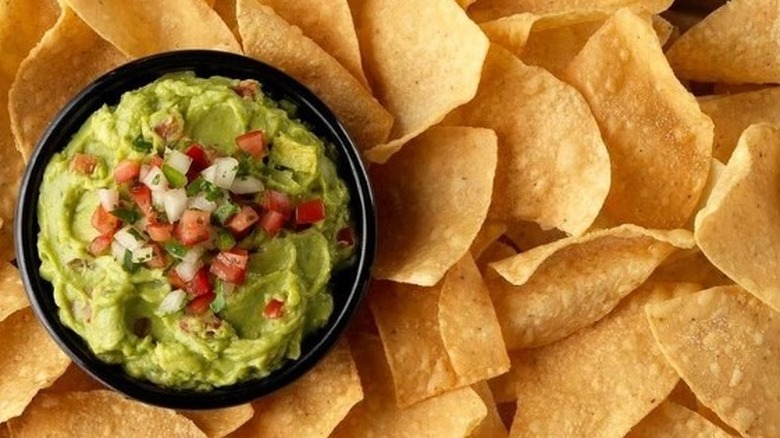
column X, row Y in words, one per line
column 169, row 130
column 200, row 283
column 345, row 237
column 309, row 212
column 157, row 161
column 176, row 281
column 200, row 160
column 200, row 305
column 241, row 221
column 231, row 265
column 83, row 163
column 253, row 143
column 142, row 196
column 104, row 222
column 272, row 222
column 100, row 244
column 277, row 201
column 274, row 309
column 247, row 88
column 159, row 259
column 193, row 227
column 160, row 232
column 127, row 170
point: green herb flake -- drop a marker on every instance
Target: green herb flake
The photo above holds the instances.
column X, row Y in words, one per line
column 127, row 262
column 140, row 144
column 224, row 212
column 126, row 215
column 175, row 248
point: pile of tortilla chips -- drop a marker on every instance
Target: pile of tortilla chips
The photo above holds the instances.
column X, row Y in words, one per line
column 579, row 213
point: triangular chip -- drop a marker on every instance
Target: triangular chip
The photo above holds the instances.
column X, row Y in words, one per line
column 440, row 338
column 217, row 423
column 270, row 39
column 737, row 43
column 227, row 11
column 725, row 344
column 551, row 291
column 555, row 177
column 486, row 10
column 74, row 379
column 670, row 420
column 421, row 234
column 739, row 229
column 660, row 153
column 491, row 426
column 12, row 297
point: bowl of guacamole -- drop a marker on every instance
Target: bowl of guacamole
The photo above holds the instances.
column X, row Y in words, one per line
column 195, row 229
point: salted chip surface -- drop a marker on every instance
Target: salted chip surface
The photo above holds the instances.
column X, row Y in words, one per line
column 491, row 231
column 660, row 152
column 425, row 58
column 732, row 114
column 217, row 423
column 549, row 292
column 313, row 405
column 12, row 297
column 98, row 413
column 739, row 228
column 690, row 265
column 420, row 233
column 485, row 10
column 74, row 379
column 735, row 44
column 725, row 344
column 671, row 420
column 439, row 338
column 492, row 426
column 269, row 38
column 452, row 414
column 600, row 381
column 556, row 177
column 29, row 362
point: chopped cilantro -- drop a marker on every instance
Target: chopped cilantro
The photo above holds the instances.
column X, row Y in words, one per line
column 127, row 262
column 140, row 144
column 126, row 215
column 175, row 248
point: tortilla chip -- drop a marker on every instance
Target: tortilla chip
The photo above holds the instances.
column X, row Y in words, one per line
column 486, row 10
column 12, row 296
column 440, row 338
column 733, row 114
column 691, row 265
column 734, row 44
column 141, row 27
column 600, row 381
column 721, row 88
column 270, row 39
column 528, row 235
column 555, row 177
column 98, row 413
column 726, row 346
column 498, row 250
column 547, row 293
column 327, row 23
column 492, row 426
column 452, row 414
column 663, row 29
column 41, row 90
column 670, row 420
column 510, row 32
column 74, row 379
column 29, row 362
column 739, row 229
column 425, row 58
column 218, row 423
column 490, row 232
column 226, row 9
column 312, row 406
column 660, row 153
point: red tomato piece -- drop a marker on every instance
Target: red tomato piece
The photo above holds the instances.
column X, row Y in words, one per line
column 176, row 281
column 127, row 170
column 157, row 161
column 200, row 283
column 309, row 212
column 142, row 196
column 346, row 237
column 200, row 160
column 230, row 266
column 272, row 222
column 159, row 259
column 100, row 244
column 193, row 227
column 200, row 305
column 274, row 309
column 242, row 220
column 83, row 163
column 277, row 201
column 160, row 232
column 104, row 222
column 253, row 143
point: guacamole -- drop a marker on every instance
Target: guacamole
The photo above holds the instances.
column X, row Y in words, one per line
column 190, row 232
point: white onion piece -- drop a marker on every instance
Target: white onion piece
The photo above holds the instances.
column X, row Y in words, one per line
column 178, row 161
column 173, row 302
column 109, row 199
column 128, row 239
column 143, row 254
column 192, row 256
column 158, row 199
column 222, row 172
column 246, row 185
column 187, row 271
column 209, row 173
column 155, row 180
column 118, row 251
column 144, row 171
column 175, row 202
column 200, row 202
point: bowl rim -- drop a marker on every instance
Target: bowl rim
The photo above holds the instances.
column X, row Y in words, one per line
column 106, row 90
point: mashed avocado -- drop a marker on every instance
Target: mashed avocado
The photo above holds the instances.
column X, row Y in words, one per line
column 190, row 232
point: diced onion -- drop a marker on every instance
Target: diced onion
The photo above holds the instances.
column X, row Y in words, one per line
column 246, row 185
column 187, row 271
column 143, row 254
column 210, row 173
column 200, row 202
column 127, row 239
column 144, row 171
column 178, row 161
column 109, row 199
column 175, row 202
column 192, row 256
column 222, row 172
column 173, row 302
column 158, row 199
column 155, row 180
column 118, row 251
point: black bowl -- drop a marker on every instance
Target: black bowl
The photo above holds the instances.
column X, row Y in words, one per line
column 349, row 285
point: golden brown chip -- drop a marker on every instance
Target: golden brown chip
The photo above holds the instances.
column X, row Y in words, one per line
column 440, row 338
column 217, row 423
column 498, row 250
column 510, row 32
column 98, row 413
column 690, row 265
column 327, row 23
column 600, row 381
column 670, row 420
column 555, row 177
column 528, row 235
column 547, row 293
column 739, row 229
column 41, row 89
column 734, row 44
column 270, row 39
column 29, row 362
column 425, row 58
column 721, row 88
column 490, row 232
column 660, row 152
column 663, row 29
column 492, row 426
column 312, row 406
column 12, row 296
column 142, row 27
column 74, row 379
column 486, row 10
column 227, row 11
column 452, row 414
column 733, row 114
column 725, row 344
